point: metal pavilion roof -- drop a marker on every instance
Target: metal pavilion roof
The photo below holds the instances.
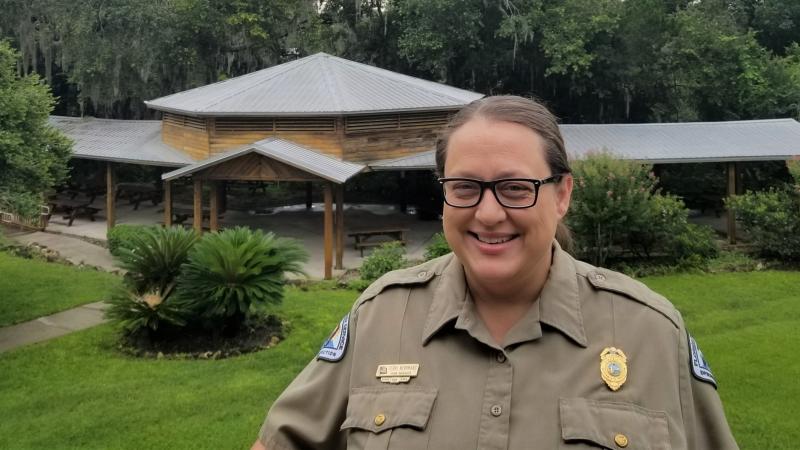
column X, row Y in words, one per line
column 126, row 141
column 319, row 84
column 663, row 143
column 287, row 152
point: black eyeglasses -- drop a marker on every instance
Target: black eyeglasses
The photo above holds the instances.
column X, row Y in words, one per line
column 509, row 192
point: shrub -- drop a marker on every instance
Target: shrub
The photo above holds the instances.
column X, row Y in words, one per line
column 437, row 247
column 120, row 236
column 389, row 256
column 235, row 274
column 617, row 211
column 771, row 220
column 152, row 258
column 136, row 312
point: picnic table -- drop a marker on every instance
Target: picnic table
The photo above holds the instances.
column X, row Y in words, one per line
column 139, row 192
column 366, row 238
column 180, row 215
column 73, row 208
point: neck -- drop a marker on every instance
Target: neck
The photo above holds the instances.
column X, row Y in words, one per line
column 502, row 305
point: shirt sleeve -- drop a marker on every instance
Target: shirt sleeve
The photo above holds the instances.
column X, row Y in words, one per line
column 704, row 417
column 309, row 413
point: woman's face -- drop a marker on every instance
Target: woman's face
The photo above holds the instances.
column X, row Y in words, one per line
column 499, row 245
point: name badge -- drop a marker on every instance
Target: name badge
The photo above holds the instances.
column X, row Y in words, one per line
column 396, row 373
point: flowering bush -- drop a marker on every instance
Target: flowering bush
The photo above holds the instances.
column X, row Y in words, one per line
column 617, row 211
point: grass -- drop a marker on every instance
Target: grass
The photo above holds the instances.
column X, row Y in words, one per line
column 78, row 392
column 32, row 288
column 748, row 327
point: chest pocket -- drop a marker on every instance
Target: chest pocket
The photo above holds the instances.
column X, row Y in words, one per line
column 611, row 425
column 380, row 418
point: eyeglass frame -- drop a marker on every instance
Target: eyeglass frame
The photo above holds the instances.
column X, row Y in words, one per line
column 493, row 186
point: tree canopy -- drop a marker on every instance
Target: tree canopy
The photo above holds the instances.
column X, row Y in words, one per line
column 591, row 60
column 33, row 155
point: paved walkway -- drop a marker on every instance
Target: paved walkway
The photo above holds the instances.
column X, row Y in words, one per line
column 74, row 249
column 51, row 326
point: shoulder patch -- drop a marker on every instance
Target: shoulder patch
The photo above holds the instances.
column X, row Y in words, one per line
column 700, row 367
column 334, row 347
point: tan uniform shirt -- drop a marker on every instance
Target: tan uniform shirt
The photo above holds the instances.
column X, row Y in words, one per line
column 542, row 390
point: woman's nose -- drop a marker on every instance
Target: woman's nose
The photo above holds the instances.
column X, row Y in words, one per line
column 489, row 211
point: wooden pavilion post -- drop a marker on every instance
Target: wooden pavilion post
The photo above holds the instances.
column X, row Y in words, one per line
column 167, row 203
column 403, row 192
column 198, row 205
column 339, row 226
column 110, row 196
column 328, row 231
column 308, row 195
column 213, row 210
column 731, row 192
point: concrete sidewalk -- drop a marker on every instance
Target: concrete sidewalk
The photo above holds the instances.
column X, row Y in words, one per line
column 74, row 249
column 51, row 326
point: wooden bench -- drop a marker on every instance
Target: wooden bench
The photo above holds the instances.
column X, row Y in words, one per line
column 73, row 208
column 366, row 238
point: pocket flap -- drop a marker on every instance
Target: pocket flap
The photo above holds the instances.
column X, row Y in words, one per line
column 613, row 424
column 382, row 408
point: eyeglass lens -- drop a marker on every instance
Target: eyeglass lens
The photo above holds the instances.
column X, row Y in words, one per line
column 511, row 193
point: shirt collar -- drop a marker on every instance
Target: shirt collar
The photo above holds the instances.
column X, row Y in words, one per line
column 559, row 303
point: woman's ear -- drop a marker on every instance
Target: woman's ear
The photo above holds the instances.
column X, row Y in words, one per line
column 563, row 195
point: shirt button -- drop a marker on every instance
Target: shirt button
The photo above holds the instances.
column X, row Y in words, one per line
column 497, row 410
column 599, row 277
column 379, row 419
column 621, row 440
column 501, row 358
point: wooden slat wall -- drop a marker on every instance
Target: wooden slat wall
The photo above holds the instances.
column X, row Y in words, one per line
column 256, row 168
column 320, row 133
column 386, row 145
column 362, row 138
column 189, row 140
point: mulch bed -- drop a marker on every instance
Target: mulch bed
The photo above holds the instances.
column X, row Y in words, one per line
column 200, row 344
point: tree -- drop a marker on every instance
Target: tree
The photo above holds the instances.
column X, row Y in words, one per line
column 33, row 155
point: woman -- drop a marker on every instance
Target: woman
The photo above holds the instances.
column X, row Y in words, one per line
column 508, row 342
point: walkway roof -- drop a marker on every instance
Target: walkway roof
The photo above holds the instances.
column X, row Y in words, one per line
column 316, row 85
column 287, row 152
column 126, row 141
column 663, row 143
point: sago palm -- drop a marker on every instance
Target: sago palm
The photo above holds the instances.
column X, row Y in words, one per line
column 237, row 273
column 154, row 257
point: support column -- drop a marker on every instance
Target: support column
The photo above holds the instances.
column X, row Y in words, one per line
column 198, row 205
column 213, row 210
column 167, row 203
column 339, row 226
column 403, row 192
column 308, row 195
column 328, row 231
column 111, row 207
column 222, row 195
column 731, row 192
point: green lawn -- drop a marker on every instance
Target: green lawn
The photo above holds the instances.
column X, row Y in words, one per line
column 77, row 392
column 748, row 327
column 33, row 288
